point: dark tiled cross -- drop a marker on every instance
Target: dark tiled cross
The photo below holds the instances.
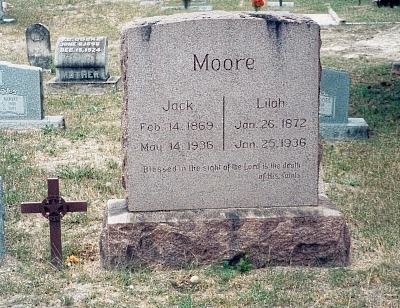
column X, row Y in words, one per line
column 54, row 207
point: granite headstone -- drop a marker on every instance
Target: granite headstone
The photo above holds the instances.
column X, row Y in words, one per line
column 38, row 46
column 2, row 243
column 81, row 66
column 21, row 98
column 334, row 105
column 220, row 136
column 81, row 59
column 214, row 145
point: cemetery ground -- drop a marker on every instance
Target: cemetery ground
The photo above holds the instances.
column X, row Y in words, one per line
column 362, row 178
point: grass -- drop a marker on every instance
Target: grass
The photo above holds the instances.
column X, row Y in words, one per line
column 363, row 179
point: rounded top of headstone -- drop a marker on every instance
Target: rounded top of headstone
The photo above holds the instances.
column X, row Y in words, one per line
column 37, row 32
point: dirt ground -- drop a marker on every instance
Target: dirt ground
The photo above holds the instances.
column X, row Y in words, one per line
column 362, row 41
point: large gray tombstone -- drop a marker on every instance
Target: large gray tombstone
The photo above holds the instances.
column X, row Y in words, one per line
column 82, row 65
column 3, row 19
column 334, row 105
column 21, row 98
column 2, row 212
column 38, row 46
column 220, row 134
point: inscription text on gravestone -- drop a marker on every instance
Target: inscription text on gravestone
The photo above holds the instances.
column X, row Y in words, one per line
column 240, row 135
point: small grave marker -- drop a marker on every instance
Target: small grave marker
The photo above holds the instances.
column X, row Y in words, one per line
column 38, row 46
column 54, row 207
column 81, row 66
column 334, row 104
column 4, row 20
column 2, row 244
column 21, row 98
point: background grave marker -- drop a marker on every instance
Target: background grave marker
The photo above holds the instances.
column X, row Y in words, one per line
column 3, row 19
column 38, row 46
column 81, row 66
column 21, row 98
column 334, row 105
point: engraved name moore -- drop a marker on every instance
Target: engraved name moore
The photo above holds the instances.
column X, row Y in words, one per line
column 236, row 127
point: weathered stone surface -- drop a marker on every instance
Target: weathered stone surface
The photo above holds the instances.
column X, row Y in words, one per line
column 81, row 59
column 279, row 236
column 81, row 67
column 225, row 116
column 38, row 46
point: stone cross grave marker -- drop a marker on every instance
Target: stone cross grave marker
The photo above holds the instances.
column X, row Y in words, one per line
column 38, row 46
column 334, row 105
column 53, row 208
column 2, row 212
column 220, row 140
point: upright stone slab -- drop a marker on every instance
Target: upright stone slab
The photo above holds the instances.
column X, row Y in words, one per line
column 2, row 243
column 38, row 46
column 221, row 144
column 3, row 19
column 81, row 65
column 334, row 105
column 21, row 98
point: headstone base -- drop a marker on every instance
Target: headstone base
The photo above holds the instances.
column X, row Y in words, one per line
column 54, row 121
column 7, row 21
column 308, row 235
column 355, row 128
column 84, row 87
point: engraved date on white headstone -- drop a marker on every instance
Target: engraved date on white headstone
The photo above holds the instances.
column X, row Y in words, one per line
column 12, row 105
column 327, row 105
